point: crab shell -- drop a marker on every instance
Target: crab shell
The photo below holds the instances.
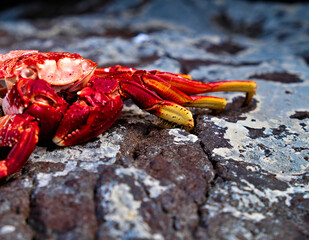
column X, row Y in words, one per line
column 64, row 71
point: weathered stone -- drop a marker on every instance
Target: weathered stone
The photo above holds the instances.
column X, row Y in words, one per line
column 257, row 202
column 14, row 209
column 64, row 209
column 132, row 204
column 240, row 174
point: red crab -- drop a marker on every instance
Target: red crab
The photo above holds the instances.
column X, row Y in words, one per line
column 64, row 97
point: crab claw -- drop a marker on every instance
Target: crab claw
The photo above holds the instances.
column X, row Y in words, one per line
column 20, row 132
column 97, row 108
column 38, row 99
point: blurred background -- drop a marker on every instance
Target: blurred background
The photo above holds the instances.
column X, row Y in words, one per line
column 72, row 25
column 40, row 8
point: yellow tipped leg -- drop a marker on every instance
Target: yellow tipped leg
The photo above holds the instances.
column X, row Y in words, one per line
column 249, row 87
column 171, row 93
column 184, row 84
column 215, row 103
column 152, row 103
column 174, row 113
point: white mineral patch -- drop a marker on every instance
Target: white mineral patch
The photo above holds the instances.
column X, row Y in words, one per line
column 282, row 157
column 181, row 137
column 123, row 209
column 275, row 195
column 7, row 229
column 252, row 168
column 44, row 178
column 244, row 197
column 277, row 154
column 152, row 184
column 216, row 208
column 27, row 183
column 180, row 177
column 141, row 38
column 89, row 156
column 106, row 146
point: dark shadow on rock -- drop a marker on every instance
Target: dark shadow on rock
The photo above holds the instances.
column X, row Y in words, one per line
column 223, row 48
column 187, row 65
column 256, row 132
column 38, row 9
column 234, row 109
column 300, row 115
column 226, row 22
column 283, row 77
column 236, row 171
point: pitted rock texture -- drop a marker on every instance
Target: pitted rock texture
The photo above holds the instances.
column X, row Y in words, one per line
column 240, row 174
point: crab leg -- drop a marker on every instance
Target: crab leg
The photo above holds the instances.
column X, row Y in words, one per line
column 20, row 132
column 185, row 84
column 152, row 103
column 163, row 88
column 169, row 92
column 188, row 86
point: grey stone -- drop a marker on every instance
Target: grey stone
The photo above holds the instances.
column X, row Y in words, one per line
column 240, row 174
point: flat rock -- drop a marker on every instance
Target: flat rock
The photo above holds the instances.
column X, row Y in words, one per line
column 239, row 174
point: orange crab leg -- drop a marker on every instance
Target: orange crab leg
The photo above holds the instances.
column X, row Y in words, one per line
column 163, row 88
column 188, row 86
column 132, row 85
column 185, row 84
column 152, row 103
column 20, row 132
column 169, row 92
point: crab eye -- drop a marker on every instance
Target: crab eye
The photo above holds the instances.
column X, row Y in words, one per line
column 29, row 73
column 86, row 65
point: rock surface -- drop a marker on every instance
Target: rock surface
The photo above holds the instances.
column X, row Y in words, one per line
column 240, row 174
